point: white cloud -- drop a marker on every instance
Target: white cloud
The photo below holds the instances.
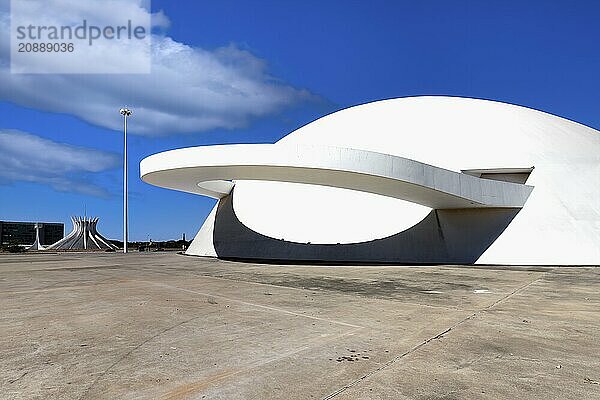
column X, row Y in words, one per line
column 30, row 158
column 189, row 89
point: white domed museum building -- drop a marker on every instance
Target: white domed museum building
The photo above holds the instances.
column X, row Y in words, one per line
column 417, row 180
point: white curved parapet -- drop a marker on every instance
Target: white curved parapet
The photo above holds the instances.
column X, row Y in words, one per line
column 210, row 170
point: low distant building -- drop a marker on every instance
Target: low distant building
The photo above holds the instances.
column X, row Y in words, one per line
column 23, row 233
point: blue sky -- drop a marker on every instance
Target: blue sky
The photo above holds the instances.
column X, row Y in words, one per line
column 294, row 61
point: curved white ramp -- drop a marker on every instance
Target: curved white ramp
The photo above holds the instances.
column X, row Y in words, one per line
column 210, row 170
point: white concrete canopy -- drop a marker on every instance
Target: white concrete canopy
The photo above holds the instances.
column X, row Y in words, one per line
column 208, row 170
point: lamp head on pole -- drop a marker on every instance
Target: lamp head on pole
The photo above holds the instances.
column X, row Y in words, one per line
column 125, row 111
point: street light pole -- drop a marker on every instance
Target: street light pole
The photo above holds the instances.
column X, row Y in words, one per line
column 125, row 112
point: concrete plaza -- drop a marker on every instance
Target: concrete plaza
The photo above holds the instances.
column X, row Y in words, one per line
column 167, row 326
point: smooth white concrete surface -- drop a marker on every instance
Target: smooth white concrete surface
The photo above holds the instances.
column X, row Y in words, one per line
column 559, row 224
column 330, row 224
column 207, row 170
column 202, row 245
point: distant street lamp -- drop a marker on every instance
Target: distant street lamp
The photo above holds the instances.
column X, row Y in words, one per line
column 125, row 112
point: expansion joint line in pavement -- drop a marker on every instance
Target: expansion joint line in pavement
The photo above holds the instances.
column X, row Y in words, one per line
column 269, row 308
column 326, row 290
column 261, row 306
column 124, row 356
column 439, row 335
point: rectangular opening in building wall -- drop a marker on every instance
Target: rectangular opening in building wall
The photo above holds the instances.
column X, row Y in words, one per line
column 514, row 175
